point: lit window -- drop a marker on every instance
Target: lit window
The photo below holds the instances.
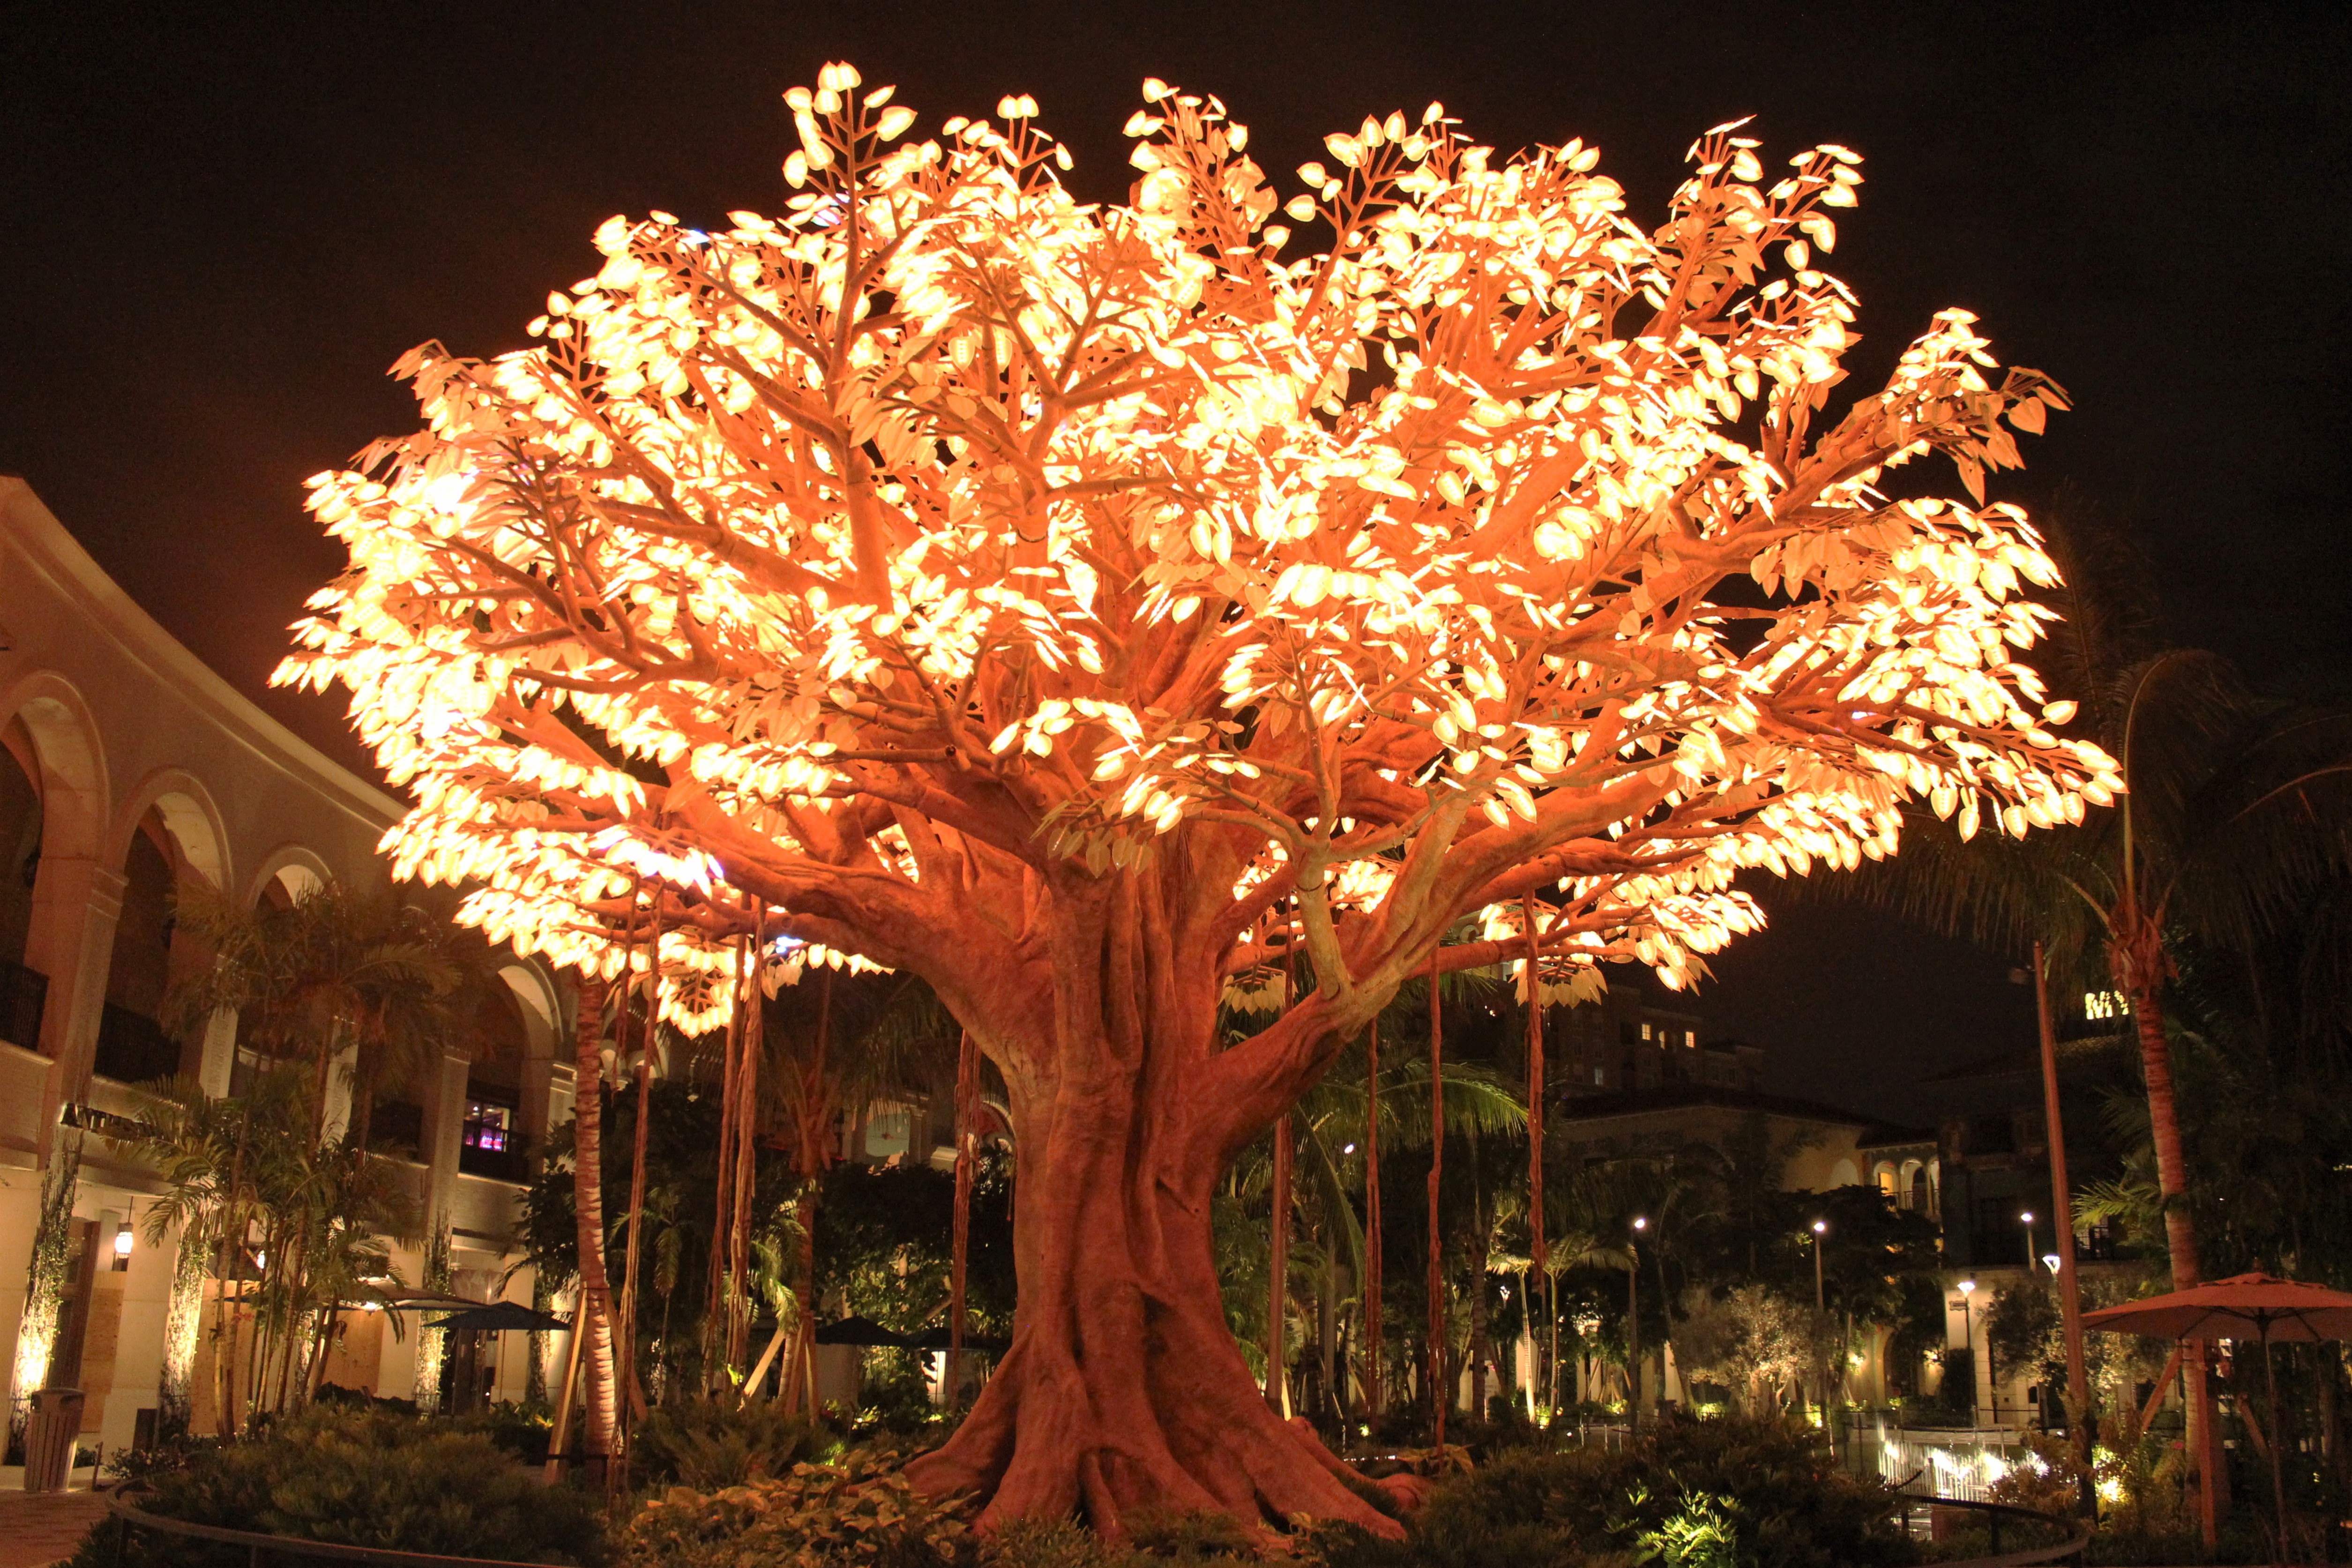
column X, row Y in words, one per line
column 487, row 1126
column 2102, row 1004
column 1645, row 1031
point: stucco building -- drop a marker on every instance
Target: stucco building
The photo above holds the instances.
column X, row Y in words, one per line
column 128, row 772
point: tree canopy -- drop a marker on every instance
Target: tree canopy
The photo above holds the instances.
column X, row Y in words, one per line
column 1087, row 605
column 951, row 520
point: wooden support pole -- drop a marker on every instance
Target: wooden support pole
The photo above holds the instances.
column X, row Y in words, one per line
column 1539, row 1249
column 1372, row 1337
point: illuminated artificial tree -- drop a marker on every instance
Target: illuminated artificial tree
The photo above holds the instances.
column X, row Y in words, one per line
column 1037, row 594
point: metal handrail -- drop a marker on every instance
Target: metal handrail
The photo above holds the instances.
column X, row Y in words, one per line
column 259, row 1543
column 2070, row 1549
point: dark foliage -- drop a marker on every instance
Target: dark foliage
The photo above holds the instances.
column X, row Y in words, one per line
column 1758, row 1493
column 712, row 1443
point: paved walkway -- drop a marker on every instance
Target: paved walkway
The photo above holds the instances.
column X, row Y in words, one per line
column 44, row 1527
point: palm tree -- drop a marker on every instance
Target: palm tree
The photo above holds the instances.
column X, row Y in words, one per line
column 835, row 1044
column 1331, row 1121
column 333, row 972
column 300, row 1222
column 2237, row 810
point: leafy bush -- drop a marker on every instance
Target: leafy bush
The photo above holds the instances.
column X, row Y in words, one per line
column 707, row 1444
column 366, row 1477
column 1155, row 1541
column 856, row 1512
column 1204, row 1538
column 1691, row 1494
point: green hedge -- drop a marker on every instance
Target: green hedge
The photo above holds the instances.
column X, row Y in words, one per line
column 363, row 1478
column 1690, row 1494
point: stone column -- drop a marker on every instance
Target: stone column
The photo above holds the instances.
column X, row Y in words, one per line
column 445, row 1119
column 76, row 903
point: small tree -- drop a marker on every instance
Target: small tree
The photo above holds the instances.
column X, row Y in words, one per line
column 1038, row 594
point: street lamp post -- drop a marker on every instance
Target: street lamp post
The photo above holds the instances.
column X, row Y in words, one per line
column 1821, row 1313
column 2026, row 1219
column 1968, row 1321
column 1633, row 1327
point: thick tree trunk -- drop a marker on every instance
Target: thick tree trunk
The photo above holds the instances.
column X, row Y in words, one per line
column 588, row 1198
column 1123, row 1388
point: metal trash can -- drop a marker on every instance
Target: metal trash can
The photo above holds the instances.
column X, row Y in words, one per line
column 49, row 1438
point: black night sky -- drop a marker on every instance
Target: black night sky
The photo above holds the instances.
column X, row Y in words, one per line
column 219, row 225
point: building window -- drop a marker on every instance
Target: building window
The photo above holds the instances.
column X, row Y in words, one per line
column 488, row 1127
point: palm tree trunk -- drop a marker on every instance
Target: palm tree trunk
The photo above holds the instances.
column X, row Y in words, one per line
column 718, row 1311
column 746, row 1145
column 1481, row 1351
column 1278, row 1289
column 967, row 1105
column 1277, row 1292
column 595, row 1307
column 1439, row 1394
column 626, row 1363
column 2139, row 960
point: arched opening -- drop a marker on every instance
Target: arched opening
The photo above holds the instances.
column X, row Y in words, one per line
column 491, row 1142
column 133, row 1046
column 172, row 850
column 286, row 877
column 1920, row 1187
column 295, row 881
column 22, row 990
column 1882, row 1176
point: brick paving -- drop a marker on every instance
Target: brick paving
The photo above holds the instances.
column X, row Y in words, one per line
column 39, row 1528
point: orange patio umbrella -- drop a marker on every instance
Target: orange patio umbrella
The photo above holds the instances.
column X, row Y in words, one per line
column 2258, row 1307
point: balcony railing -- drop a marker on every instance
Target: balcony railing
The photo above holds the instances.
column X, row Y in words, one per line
column 510, row 1164
column 24, row 993
column 134, row 1048
column 397, row 1126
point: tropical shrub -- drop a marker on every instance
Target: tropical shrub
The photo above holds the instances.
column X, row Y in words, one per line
column 857, row 1511
column 1155, row 1541
column 366, row 1477
column 709, row 1444
column 1691, row 1494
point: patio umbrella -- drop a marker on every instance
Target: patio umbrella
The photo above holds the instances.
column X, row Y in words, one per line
column 2243, row 1306
column 499, row 1315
